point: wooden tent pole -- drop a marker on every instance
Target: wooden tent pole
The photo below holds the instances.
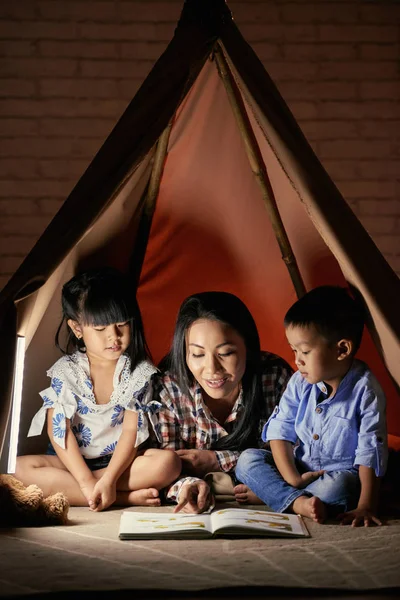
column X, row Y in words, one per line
column 259, row 169
column 158, row 167
column 149, row 203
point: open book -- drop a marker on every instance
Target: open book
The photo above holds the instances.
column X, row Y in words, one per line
column 224, row 522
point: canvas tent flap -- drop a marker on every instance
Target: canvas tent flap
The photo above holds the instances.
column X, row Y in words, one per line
column 310, row 178
column 361, row 263
column 136, row 132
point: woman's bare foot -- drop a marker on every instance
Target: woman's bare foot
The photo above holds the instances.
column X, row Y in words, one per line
column 311, row 507
column 244, row 495
column 145, row 497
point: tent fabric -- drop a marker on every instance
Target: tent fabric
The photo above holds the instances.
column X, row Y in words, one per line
column 128, row 144
column 210, row 229
column 361, row 263
column 217, row 228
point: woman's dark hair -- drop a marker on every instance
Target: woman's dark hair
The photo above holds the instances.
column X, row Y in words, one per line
column 332, row 311
column 102, row 296
column 228, row 309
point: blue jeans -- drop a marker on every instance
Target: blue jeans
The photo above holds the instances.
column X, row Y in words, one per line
column 339, row 490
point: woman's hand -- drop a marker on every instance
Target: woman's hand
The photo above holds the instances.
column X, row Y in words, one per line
column 359, row 516
column 104, row 494
column 194, row 497
column 198, row 462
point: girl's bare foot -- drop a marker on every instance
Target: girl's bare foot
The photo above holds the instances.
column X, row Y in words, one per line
column 312, row 507
column 244, row 495
column 145, row 497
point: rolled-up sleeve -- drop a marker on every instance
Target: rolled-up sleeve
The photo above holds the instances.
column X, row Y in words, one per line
column 372, row 449
column 281, row 424
column 227, row 459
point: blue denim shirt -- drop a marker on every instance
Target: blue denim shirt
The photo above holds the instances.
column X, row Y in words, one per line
column 336, row 433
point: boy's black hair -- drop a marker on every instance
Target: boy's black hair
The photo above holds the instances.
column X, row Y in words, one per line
column 332, row 311
column 228, row 309
column 102, row 296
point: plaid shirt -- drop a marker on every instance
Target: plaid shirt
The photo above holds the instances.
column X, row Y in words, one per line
column 187, row 423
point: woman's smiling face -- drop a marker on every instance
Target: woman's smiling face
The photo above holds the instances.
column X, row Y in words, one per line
column 216, row 357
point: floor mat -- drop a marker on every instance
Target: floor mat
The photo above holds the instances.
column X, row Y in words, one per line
column 87, row 555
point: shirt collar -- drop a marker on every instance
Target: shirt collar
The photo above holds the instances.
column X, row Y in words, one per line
column 343, row 383
column 196, row 392
column 322, row 387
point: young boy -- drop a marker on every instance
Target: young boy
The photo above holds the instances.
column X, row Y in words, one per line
column 332, row 412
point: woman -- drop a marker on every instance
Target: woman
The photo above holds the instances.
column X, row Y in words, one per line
column 216, row 394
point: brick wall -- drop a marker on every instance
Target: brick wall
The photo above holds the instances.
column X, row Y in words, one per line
column 69, row 67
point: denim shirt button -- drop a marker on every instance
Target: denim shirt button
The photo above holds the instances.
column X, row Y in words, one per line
column 315, row 436
column 318, row 410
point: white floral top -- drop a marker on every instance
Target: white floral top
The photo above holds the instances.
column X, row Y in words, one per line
column 97, row 427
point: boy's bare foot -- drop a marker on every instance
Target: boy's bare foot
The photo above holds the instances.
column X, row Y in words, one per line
column 145, row 497
column 244, row 495
column 312, row 507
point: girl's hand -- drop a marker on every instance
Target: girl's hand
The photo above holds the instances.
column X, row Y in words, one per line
column 198, row 462
column 359, row 516
column 194, row 498
column 104, row 494
column 87, row 488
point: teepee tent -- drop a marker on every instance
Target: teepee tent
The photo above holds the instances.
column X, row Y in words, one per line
column 206, row 182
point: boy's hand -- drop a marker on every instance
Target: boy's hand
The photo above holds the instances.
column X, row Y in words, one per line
column 307, row 478
column 359, row 516
column 104, row 494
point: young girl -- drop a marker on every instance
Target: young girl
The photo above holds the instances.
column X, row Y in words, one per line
column 97, row 415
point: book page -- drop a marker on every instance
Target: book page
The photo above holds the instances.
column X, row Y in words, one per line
column 260, row 520
column 158, row 524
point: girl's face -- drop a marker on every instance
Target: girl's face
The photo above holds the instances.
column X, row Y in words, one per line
column 103, row 342
column 216, row 357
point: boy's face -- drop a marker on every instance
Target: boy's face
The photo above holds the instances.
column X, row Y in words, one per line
column 315, row 358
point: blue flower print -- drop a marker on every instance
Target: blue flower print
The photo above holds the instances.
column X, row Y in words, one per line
column 140, row 420
column 47, row 403
column 56, row 384
column 117, row 416
column 59, row 425
column 83, row 434
column 82, row 409
column 89, row 384
column 108, row 449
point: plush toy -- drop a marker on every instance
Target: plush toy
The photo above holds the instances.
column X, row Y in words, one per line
column 22, row 506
